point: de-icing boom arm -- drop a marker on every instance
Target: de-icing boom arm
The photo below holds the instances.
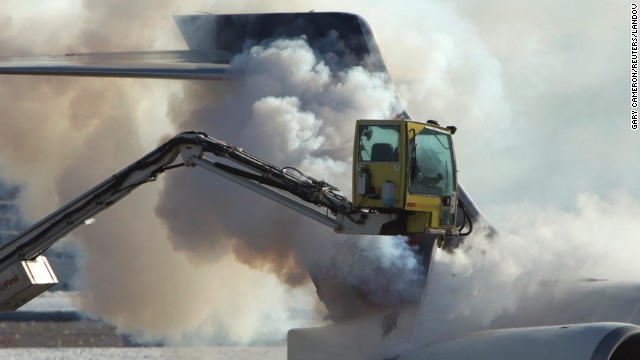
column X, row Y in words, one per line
column 24, row 273
column 192, row 146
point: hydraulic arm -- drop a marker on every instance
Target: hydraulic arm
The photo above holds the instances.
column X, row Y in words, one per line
column 193, row 146
column 24, row 273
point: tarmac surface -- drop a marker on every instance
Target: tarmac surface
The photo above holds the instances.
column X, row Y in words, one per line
column 52, row 320
column 220, row 353
column 68, row 336
column 50, row 327
column 56, row 330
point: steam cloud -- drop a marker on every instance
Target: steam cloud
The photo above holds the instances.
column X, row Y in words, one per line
column 62, row 135
column 292, row 110
column 543, row 257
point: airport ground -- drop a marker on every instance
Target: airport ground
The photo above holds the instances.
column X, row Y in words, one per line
column 154, row 353
column 56, row 330
column 61, row 336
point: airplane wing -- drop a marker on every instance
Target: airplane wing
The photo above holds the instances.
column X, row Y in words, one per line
column 213, row 40
column 587, row 320
column 190, row 65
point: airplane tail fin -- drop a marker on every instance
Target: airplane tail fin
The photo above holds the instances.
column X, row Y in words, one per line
column 341, row 39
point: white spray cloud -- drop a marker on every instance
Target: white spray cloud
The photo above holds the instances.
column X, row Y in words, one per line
column 298, row 128
column 543, row 257
column 298, row 110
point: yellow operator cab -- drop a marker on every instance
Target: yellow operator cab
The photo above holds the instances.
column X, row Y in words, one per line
column 408, row 168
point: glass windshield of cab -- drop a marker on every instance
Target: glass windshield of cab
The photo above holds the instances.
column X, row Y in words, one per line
column 378, row 142
column 431, row 167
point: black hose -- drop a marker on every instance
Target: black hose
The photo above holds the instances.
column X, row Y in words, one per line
column 466, row 215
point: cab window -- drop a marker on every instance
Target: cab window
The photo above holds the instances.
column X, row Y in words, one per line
column 378, row 143
column 431, row 167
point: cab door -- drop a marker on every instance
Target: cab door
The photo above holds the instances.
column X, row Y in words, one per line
column 431, row 175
